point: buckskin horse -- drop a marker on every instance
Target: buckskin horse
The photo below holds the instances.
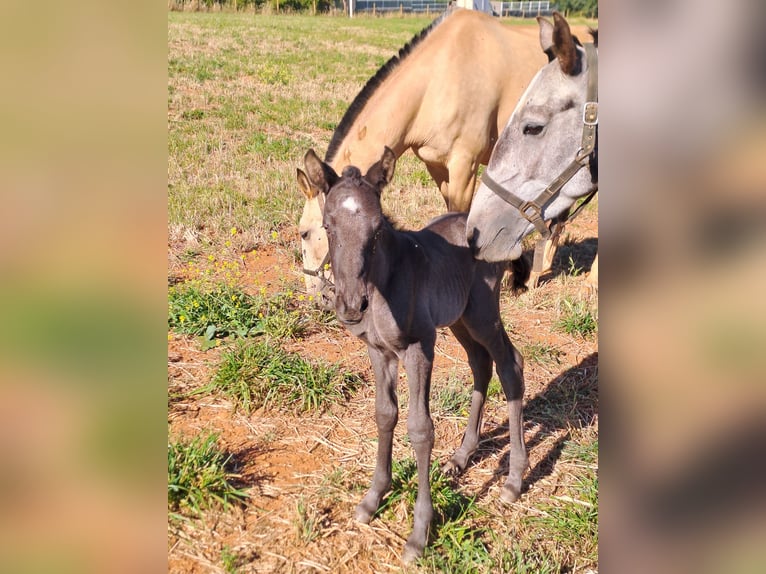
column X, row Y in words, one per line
column 393, row 289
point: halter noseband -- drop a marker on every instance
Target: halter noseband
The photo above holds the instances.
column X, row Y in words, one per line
column 533, row 210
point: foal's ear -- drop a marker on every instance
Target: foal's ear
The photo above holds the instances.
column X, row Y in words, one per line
column 320, row 175
column 381, row 172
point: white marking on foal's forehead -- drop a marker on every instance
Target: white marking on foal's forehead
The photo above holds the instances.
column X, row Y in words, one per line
column 350, row 204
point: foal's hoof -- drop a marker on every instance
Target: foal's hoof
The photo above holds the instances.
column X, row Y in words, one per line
column 450, row 468
column 362, row 515
column 509, row 495
column 411, row 553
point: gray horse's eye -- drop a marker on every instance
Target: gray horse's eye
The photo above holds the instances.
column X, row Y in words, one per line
column 532, row 129
column 305, row 234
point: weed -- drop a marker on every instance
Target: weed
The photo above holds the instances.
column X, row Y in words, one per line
column 542, row 354
column 574, row 270
column 229, row 559
column 573, row 520
column 212, row 313
column 527, row 561
column 576, row 318
column 453, row 398
column 308, row 522
column 259, row 374
column 224, row 310
column 198, row 477
column 447, row 502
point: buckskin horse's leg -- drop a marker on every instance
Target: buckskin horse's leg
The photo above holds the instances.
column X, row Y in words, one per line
column 418, row 362
column 481, row 367
column 386, row 367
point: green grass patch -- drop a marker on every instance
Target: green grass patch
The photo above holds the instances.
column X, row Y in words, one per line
column 542, row 354
column 198, row 477
column 256, row 374
column 576, row 318
column 565, row 528
column 218, row 311
column 457, row 543
column 572, row 521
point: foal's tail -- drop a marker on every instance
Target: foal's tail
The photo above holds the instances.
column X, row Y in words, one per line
column 520, row 269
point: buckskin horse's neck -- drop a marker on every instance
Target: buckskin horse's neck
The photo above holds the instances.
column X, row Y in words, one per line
column 382, row 111
column 385, row 121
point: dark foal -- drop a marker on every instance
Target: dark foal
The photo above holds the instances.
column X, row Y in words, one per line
column 393, row 289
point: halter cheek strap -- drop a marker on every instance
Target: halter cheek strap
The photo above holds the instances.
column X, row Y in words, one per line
column 324, row 266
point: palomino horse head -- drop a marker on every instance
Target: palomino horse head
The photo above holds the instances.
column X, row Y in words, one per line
column 352, row 219
column 316, row 262
column 534, row 173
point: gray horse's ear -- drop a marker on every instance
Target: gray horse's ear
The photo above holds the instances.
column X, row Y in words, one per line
column 320, row 175
column 546, row 36
column 564, row 45
column 381, row 173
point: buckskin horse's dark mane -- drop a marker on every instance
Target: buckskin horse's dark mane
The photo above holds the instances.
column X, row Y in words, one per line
column 373, row 84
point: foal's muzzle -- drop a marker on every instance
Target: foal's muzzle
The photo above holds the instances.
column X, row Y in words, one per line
column 351, row 313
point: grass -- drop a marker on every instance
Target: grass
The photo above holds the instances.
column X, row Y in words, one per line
column 570, row 521
column 198, row 477
column 223, row 310
column 576, row 318
column 542, row 354
column 239, row 124
column 261, row 374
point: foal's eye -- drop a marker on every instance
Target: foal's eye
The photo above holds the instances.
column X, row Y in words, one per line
column 305, row 234
column 533, row 129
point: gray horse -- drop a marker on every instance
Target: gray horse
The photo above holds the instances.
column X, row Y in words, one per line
column 393, row 289
column 547, row 155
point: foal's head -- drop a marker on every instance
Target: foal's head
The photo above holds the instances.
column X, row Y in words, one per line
column 352, row 219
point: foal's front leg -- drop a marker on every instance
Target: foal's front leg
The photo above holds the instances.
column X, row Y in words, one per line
column 386, row 366
column 418, row 362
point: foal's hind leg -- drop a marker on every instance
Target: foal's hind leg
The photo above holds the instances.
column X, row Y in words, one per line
column 386, row 368
column 481, row 366
column 509, row 364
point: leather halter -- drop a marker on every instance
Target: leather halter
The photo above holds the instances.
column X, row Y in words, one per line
column 320, row 271
column 533, row 210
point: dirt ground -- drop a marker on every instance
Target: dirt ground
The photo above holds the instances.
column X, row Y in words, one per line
column 325, row 461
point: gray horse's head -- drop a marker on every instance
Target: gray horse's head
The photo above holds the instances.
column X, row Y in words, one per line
column 542, row 136
column 352, row 219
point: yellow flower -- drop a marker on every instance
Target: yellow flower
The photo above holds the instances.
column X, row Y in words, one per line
column 301, row 297
column 182, row 318
column 311, row 297
column 233, row 231
column 274, row 235
column 210, row 258
column 228, row 244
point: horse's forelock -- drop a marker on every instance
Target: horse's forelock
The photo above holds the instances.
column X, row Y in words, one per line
column 351, row 171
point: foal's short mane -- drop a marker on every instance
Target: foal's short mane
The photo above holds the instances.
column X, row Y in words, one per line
column 372, row 85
